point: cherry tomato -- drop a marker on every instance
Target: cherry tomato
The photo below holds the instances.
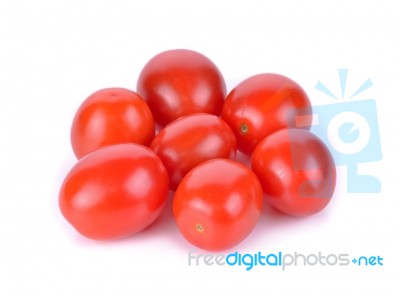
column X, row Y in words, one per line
column 296, row 171
column 262, row 104
column 191, row 140
column 114, row 192
column 111, row 116
column 181, row 82
column 218, row 204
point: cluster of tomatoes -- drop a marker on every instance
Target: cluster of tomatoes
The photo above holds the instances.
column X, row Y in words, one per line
column 180, row 131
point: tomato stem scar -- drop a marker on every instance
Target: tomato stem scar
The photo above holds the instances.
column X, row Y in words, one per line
column 199, row 227
column 244, row 128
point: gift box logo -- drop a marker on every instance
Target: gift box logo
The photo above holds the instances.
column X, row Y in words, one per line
column 350, row 129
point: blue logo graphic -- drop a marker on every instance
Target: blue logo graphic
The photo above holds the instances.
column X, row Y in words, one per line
column 350, row 130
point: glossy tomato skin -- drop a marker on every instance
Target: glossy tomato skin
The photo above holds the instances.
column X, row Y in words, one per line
column 111, row 116
column 181, row 82
column 296, row 171
column 263, row 104
column 114, row 192
column 191, row 140
column 218, row 204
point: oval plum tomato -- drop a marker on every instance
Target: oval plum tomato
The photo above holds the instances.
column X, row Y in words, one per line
column 181, row 82
column 218, row 204
column 296, row 171
column 191, row 140
column 111, row 116
column 263, row 104
column 114, row 192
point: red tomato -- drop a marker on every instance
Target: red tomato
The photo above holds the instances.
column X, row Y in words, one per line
column 218, row 204
column 181, row 82
column 263, row 104
column 191, row 140
column 296, row 170
column 111, row 116
column 114, row 192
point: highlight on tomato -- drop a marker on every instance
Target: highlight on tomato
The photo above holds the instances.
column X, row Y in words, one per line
column 181, row 82
column 218, row 204
column 296, row 170
column 190, row 141
column 111, row 116
column 263, row 104
column 114, row 192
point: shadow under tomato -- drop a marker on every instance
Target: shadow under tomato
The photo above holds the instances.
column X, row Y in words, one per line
column 277, row 229
column 163, row 227
column 164, row 223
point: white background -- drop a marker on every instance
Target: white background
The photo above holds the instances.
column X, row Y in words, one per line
column 53, row 54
